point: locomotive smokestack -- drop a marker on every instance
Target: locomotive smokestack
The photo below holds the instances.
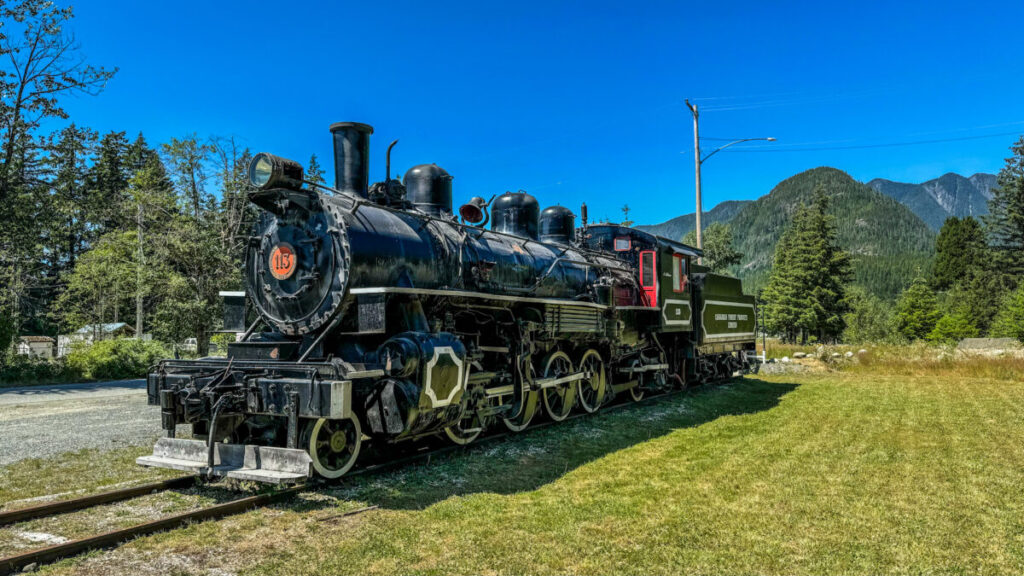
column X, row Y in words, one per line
column 351, row 157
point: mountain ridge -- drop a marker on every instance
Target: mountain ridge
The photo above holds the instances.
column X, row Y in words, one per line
column 939, row 198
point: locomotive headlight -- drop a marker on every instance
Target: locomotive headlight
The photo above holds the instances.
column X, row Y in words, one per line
column 268, row 171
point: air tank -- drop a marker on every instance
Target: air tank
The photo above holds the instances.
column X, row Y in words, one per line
column 557, row 224
column 429, row 188
column 515, row 213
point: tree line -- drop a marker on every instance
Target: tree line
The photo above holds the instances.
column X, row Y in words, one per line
column 105, row 228
column 975, row 288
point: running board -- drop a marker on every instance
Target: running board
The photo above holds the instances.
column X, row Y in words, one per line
column 243, row 462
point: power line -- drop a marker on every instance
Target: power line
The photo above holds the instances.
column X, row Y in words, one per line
column 866, row 146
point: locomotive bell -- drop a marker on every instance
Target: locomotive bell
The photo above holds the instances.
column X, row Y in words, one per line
column 474, row 210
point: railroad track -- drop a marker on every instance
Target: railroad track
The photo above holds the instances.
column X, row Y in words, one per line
column 14, row 564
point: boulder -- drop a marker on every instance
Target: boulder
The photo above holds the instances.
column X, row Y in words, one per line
column 785, row 360
column 848, row 354
column 799, row 355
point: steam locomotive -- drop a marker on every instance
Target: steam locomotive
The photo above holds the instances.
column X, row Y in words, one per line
column 388, row 320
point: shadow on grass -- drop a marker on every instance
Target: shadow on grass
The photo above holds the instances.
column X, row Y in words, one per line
column 528, row 461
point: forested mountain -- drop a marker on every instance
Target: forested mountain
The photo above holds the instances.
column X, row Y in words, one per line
column 679, row 226
column 887, row 241
column 935, row 200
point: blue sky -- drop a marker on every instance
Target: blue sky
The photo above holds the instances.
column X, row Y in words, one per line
column 578, row 101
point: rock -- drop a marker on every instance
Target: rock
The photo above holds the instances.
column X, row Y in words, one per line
column 799, row 355
column 30, row 567
column 849, row 354
column 785, row 360
column 861, row 351
column 835, row 354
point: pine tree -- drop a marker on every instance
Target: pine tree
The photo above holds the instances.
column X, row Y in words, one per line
column 806, row 290
column 108, row 184
column 959, row 252
column 1005, row 221
column 719, row 253
column 71, row 227
column 1009, row 322
column 786, row 300
column 917, row 311
column 314, row 172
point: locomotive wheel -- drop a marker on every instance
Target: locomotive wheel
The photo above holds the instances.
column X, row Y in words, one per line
column 333, row 445
column 459, row 434
column 526, row 408
column 636, row 392
column 591, row 390
column 558, row 400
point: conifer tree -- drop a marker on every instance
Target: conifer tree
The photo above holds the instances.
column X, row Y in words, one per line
column 314, row 172
column 1009, row 322
column 806, row 290
column 959, row 252
column 70, row 228
column 917, row 311
column 1005, row 221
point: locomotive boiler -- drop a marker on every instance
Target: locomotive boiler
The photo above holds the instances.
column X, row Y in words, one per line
column 382, row 318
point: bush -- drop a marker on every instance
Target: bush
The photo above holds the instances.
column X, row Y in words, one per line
column 953, row 328
column 112, row 359
column 22, row 370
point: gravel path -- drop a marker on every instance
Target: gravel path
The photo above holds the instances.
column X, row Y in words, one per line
column 42, row 421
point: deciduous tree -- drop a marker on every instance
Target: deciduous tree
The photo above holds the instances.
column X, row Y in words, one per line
column 719, row 253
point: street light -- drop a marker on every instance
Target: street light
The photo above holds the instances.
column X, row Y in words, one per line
column 697, row 161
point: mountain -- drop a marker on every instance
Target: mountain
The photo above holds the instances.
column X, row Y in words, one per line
column 935, row 200
column 888, row 242
column 678, row 227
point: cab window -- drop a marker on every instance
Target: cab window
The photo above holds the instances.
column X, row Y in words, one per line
column 622, row 244
column 678, row 273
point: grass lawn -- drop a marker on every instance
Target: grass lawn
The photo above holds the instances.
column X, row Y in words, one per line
column 833, row 472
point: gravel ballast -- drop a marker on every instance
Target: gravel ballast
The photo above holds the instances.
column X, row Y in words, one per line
column 38, row 422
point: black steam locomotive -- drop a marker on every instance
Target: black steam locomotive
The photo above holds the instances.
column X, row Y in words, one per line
column 387, row 320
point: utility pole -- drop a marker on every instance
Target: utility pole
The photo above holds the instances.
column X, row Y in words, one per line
column 696, row 166
column 138, row 275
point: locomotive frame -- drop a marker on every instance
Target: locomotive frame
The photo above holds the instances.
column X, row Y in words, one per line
column 391, row 322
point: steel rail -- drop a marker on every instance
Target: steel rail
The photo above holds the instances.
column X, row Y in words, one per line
column 13, row 564
column 54, row 508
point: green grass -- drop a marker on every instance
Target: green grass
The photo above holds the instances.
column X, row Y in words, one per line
column 73, row 474
column 833, row 472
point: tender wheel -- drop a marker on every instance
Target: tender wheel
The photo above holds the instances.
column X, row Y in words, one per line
column 558, row 400
column 333, row 445
column 591, row 390
column 524, row 409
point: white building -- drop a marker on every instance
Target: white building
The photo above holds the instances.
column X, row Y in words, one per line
column 34, row 346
